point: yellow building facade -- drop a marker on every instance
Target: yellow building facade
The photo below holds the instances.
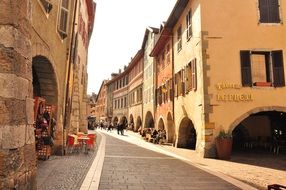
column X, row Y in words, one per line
column 229, row 73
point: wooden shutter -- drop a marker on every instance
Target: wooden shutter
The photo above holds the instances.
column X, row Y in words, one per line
column 278, row 68
column 176, row 85
column 263, row 10
column 245, row 68
column 160, row 95
column 194, row 74
column 274, row 16
column 171, row 90
column 183, row 73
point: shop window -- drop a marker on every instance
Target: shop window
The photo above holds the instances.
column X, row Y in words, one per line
column 63, row 19
column 262, row 68
column 179, row 39
column 269, row 11
column 189, row 25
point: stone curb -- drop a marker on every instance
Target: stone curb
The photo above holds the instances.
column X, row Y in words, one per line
column 92, row 178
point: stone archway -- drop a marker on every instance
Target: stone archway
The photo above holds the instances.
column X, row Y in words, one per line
column 161, row 124
column 44, row 80
column 45, row 86
column 149, row 120
column 260, row 131
column 138, row 123
column 170, row 129
column 187, row 134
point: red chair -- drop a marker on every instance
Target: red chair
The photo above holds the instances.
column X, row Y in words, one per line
column 91, row 141
column 72, row 144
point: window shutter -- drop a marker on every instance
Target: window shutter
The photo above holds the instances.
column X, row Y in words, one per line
column 245, row 68
column 263, row 9
column 278, row 68
column 176, row 85
column 274, row 16
column 187, row 79
column 194, row 74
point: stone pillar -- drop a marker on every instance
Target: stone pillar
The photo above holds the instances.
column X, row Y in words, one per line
column 17, row 142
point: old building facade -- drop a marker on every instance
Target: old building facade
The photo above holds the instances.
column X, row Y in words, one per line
column 162, row 53
column 228, row 91
column 36, row 38
column 82, row 30
column 135, row 91
column 101, row 102
column 150, row 37
column 118, row 90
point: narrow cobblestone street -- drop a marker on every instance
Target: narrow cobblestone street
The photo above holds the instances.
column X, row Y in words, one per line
column 128, row 166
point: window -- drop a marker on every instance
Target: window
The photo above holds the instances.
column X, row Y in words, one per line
column 179, row 39
column 168, row 54
column 46, row 5
column 125, row 102
column 194, row 74
column 63, row 19
column 262, row 68
column 189, row 25
column 269, row 11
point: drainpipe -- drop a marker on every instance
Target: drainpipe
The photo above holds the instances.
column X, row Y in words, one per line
column 68, row 77
column 173, row 106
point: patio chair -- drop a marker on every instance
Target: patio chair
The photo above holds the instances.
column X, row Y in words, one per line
column 91, row 141
column 72, row 144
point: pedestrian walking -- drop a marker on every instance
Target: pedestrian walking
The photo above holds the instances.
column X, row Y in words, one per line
column 109, row 127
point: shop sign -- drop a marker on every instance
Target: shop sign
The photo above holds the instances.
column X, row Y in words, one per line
column 237, row 97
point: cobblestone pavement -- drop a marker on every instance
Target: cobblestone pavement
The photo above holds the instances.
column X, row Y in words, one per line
column 128, row 166
column 64, row 172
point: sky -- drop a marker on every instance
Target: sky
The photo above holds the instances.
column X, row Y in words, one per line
column 118, row 32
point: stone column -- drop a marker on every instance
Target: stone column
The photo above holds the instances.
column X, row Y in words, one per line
column 17, row 145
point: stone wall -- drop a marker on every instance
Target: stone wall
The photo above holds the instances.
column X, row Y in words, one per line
column 17, row 144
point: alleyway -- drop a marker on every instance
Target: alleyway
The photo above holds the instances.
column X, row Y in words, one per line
column 128, row 166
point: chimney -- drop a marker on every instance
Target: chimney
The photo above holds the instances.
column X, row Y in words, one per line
column 113, row 75
column 125, row 67
column 119, row 71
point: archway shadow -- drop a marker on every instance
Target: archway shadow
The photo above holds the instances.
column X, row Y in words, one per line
column 260, row 158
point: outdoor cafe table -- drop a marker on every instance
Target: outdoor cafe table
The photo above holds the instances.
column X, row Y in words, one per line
column 83, row 141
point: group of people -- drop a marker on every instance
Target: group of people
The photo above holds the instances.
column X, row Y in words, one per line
column 154, row 135
column 149, row 134
column 107, row 125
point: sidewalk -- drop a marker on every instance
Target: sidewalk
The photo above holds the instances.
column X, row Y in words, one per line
column 251, row 169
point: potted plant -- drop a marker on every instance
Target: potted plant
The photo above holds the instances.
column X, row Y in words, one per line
column 224, row 145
